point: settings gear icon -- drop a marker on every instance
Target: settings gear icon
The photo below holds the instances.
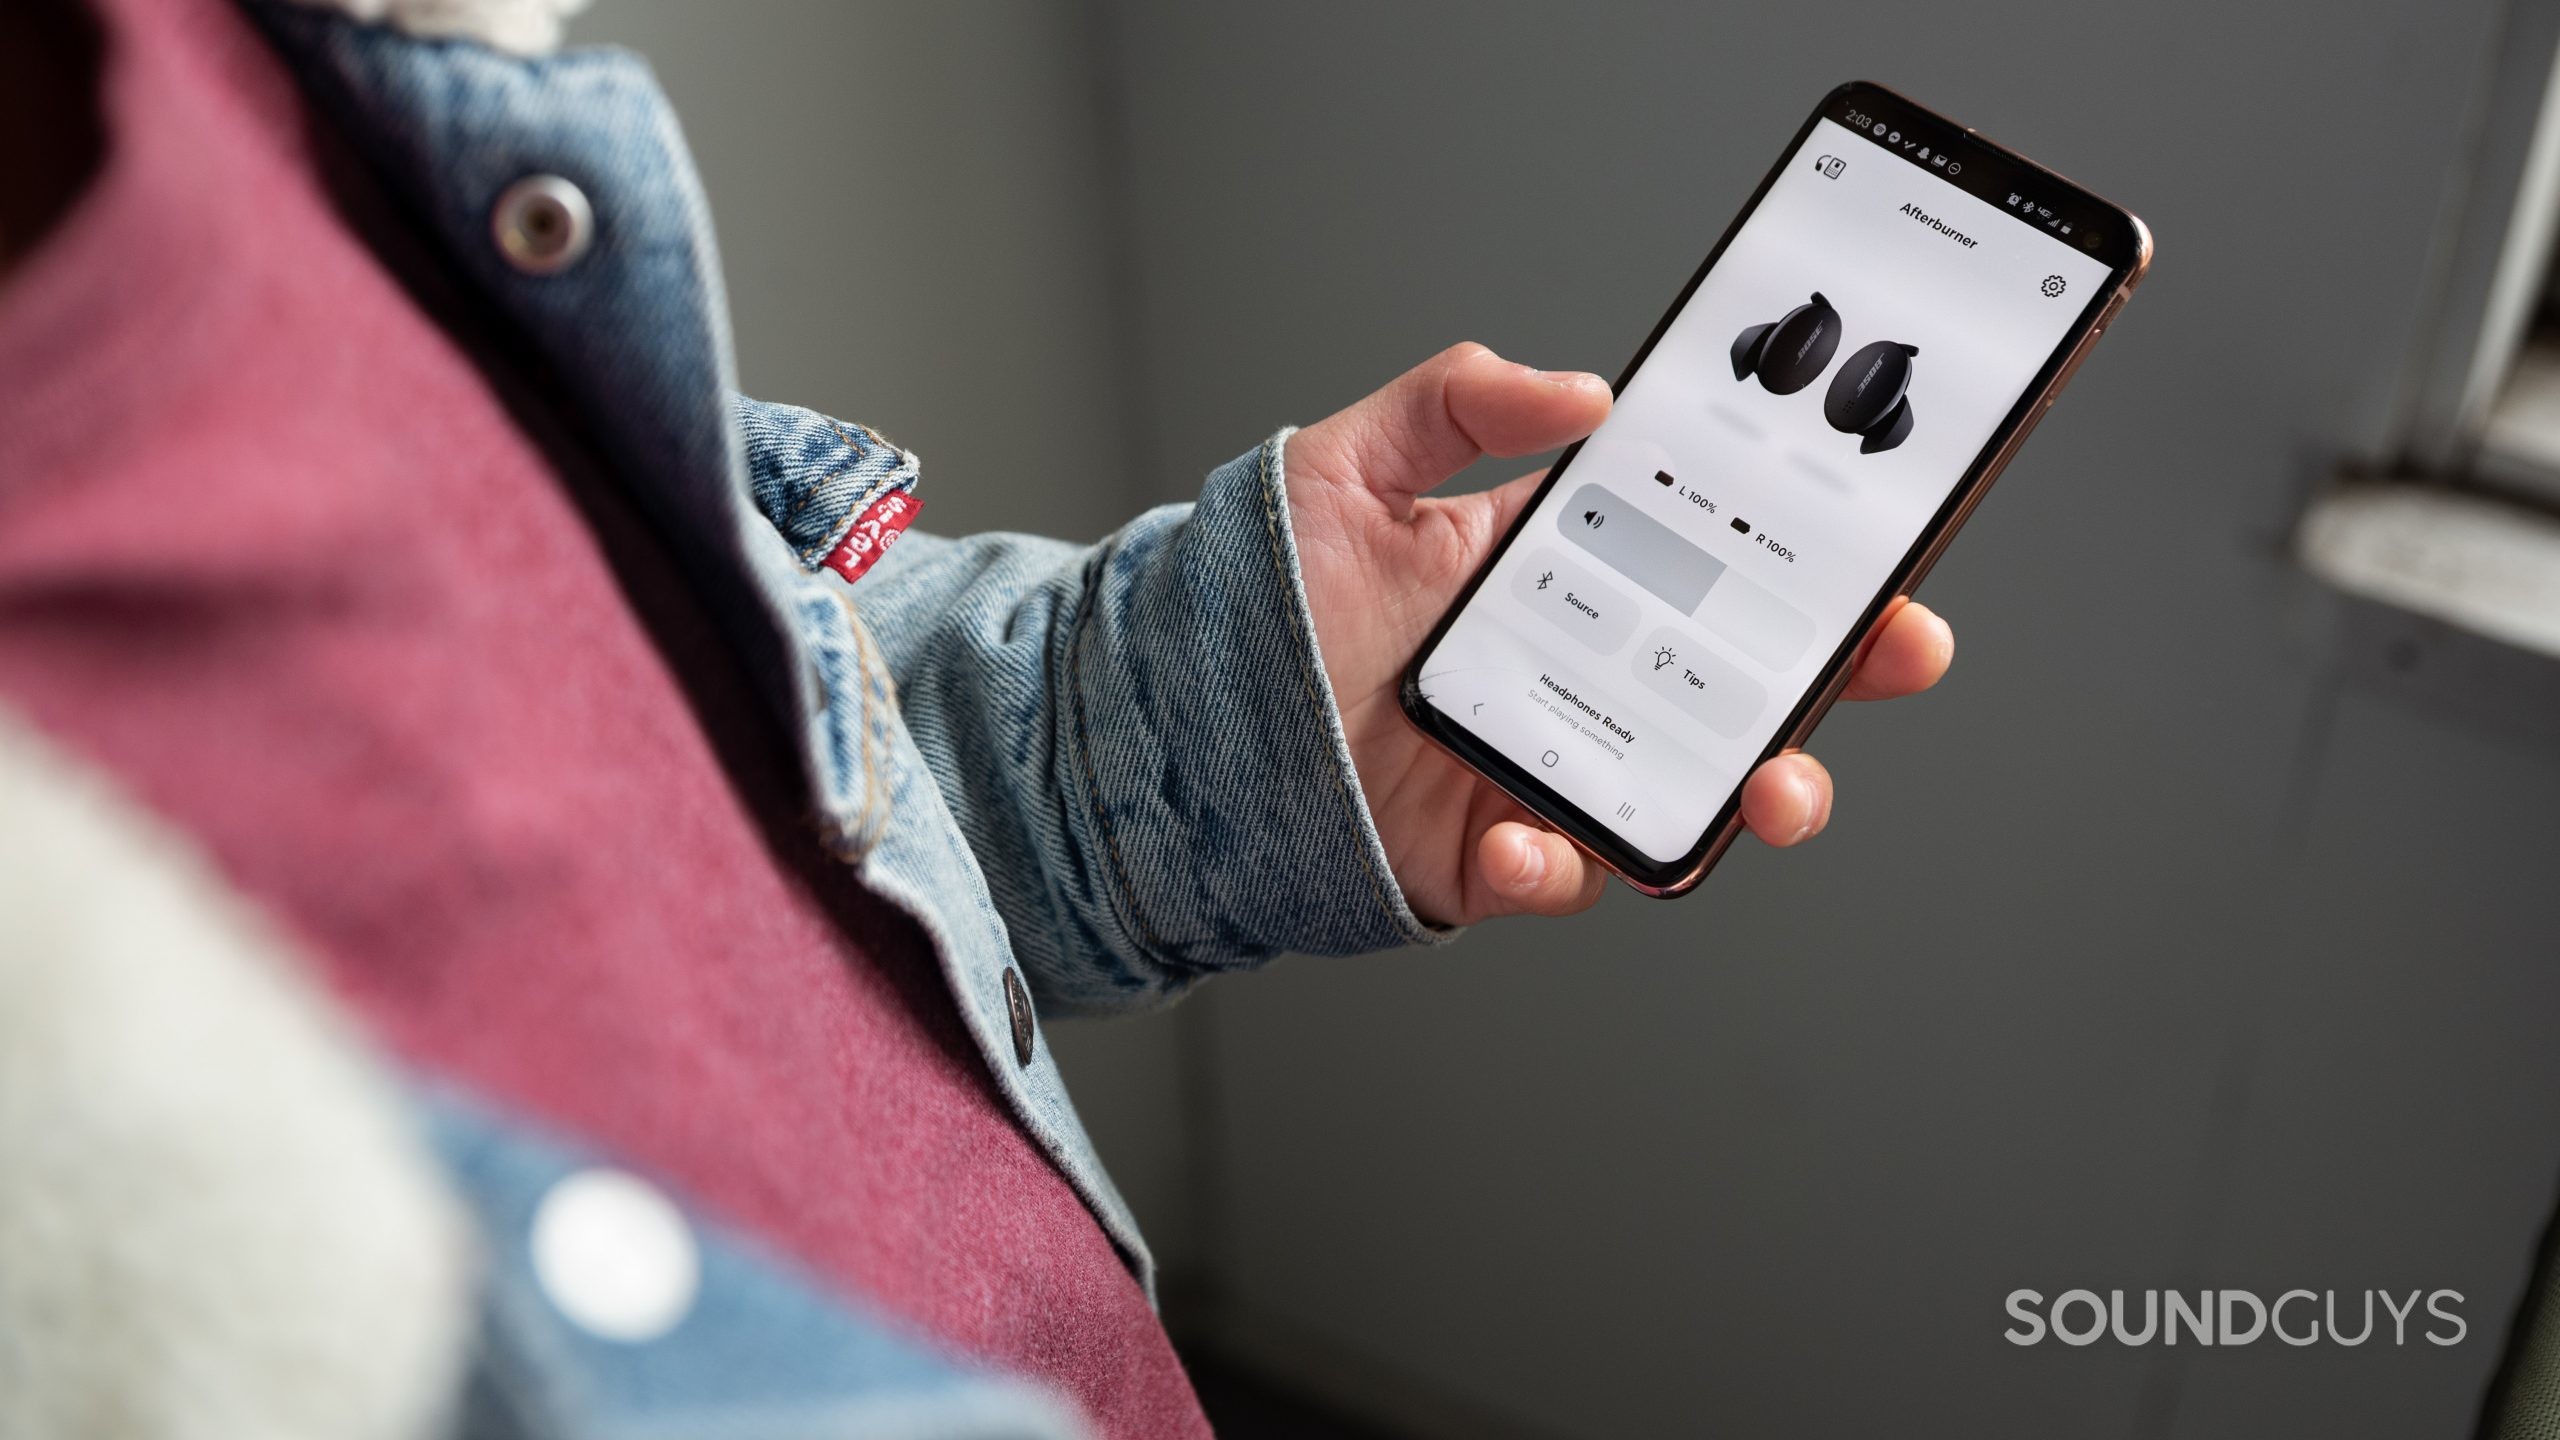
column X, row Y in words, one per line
column 2052, row 286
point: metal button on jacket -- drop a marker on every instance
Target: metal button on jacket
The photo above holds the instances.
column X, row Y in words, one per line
column 1017, row 1004
column 615, row 1255
column 543, row 224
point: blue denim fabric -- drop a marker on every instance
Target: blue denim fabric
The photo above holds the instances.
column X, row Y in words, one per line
column 761, row 1353
column 1139, row 741
column 814, row 476
column 1119, row 766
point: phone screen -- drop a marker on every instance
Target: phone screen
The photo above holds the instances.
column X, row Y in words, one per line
column 1691, row 571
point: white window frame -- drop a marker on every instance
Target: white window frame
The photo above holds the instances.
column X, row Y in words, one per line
column 2463, row 524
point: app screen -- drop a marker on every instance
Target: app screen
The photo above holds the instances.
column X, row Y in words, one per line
column 1681, row 585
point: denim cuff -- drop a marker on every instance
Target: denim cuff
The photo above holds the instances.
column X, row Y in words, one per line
column 1215, row 766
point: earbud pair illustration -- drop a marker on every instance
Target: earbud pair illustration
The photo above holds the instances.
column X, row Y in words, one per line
column 1869, row 397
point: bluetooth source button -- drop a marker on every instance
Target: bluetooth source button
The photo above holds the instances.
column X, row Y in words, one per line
column 1705, row 687
column 1574, row 601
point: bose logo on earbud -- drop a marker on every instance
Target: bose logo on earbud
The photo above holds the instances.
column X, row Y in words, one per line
column 1869, row 398
column 1802, row 342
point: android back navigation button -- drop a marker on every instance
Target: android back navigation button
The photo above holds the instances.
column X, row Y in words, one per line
column 1573, row 600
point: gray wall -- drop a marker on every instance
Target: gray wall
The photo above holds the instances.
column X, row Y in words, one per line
column 913, row 233
column 2196, row 933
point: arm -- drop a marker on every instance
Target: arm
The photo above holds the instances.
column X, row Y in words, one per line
column 1141, row 744
column 1179, row 752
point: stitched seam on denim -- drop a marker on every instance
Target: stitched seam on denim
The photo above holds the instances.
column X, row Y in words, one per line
column 817, row 553
column 802, row 501
column 1092, row 783
column 1307, row 680
column 856, row 841
column 880, row 701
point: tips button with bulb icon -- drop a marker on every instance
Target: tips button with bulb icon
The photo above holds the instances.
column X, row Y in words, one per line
column 1705, row 687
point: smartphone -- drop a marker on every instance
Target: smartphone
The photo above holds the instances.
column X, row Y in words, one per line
column 1791, row 449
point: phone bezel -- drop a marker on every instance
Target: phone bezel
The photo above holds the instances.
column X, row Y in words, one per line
column 2123, row 244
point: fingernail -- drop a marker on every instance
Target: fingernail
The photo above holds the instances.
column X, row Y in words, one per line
column 1573, row 379
column 1533, row 866
column 1810, row 794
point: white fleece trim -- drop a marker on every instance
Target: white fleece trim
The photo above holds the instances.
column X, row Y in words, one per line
column 216, row 1219
column 526, row 27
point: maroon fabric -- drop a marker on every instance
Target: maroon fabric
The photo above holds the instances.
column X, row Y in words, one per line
column 273, row 553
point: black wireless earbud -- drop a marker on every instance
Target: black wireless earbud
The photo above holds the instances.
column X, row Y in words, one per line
column 1870, row 398
column 1789, row 354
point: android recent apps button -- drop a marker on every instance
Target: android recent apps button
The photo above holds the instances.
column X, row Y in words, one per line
column 1572, row 600
column 1703, row 686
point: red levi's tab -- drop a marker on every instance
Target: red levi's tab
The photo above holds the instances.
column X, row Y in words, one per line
column 873, row 534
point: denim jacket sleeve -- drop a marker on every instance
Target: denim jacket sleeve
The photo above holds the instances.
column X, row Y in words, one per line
column 1140, row 744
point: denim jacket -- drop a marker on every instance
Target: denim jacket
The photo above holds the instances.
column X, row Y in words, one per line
column 1118, row 767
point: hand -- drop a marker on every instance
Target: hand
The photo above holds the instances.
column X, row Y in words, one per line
column 1383, row 562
